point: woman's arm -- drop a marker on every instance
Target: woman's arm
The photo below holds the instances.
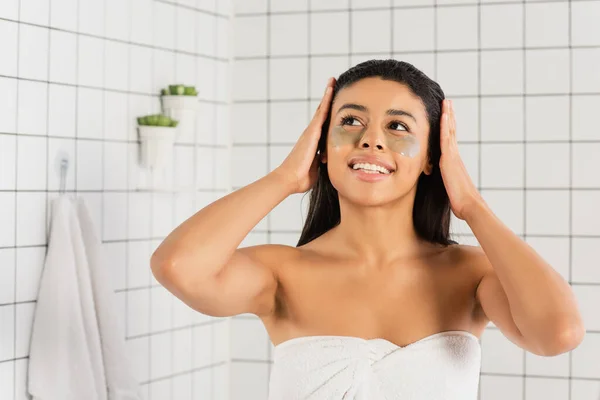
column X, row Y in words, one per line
column 521, row 286
column 200, row 263
column 524, row 296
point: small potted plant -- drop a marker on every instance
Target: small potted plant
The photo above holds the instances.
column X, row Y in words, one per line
column 157, row 135
column 181, row 103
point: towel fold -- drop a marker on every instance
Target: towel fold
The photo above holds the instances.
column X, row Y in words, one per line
column 77, row 350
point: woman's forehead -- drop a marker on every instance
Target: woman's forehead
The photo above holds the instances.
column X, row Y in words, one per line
column 379, row 95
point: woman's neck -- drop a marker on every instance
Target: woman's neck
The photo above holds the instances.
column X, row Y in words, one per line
column 378, row 234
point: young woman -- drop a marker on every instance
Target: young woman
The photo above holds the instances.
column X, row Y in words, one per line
column 375, row 301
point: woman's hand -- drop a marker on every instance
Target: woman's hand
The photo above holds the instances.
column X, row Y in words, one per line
column 461, row 190
column 300, row 166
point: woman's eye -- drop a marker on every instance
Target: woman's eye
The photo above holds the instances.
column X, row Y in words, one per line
column 350, row 121
column 398, row 126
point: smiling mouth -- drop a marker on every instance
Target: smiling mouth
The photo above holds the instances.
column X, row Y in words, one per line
column 370, row 168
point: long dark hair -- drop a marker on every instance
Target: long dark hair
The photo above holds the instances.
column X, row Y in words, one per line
column 431, row 210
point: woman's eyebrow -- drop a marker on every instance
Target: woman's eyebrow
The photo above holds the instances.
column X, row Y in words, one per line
column 362, row 108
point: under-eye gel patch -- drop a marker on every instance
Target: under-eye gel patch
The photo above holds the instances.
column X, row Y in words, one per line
column 400, row 142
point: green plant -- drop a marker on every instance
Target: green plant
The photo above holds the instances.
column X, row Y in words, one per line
column 179, row 90
column 157, row 120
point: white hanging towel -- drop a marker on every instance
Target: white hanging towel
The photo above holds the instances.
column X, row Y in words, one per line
column 66, row 360
column 121, row 382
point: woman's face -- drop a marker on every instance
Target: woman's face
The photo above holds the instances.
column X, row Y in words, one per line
column 376, row 123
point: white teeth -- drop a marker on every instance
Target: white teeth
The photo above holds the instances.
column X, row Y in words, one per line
column 371, row 167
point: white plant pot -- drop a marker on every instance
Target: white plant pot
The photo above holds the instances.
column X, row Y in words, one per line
column 182, row 109
column 157, row 145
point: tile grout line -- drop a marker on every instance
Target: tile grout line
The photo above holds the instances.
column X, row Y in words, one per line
column 16, row 203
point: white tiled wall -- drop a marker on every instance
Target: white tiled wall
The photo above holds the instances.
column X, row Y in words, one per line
column 525, row 80
column 74, row 74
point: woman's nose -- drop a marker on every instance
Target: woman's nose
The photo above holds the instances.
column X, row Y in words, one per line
column 372, row 138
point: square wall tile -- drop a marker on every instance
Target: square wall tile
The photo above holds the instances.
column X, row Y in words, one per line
column 116, row 65
column 114, row 223
column 8, row 47
column 141, row 22
column 547, row 71
column 57, row 150
column 90, row 61
column 502, row 72
column 7, row 332
column 288, row 121
column 288, row 34
column 164, row 27
column 160, row 355
column 585, row 162
column 251, row 380
column 255, row 115
column 63, row 62
column 185, row 38
column 33, row 106
column 31, row 218
column 457, row 28
column 114, row 163
column 89, row 165
column 584, row 250
column 584, row 116
column 91, row 17
column 7, row 379
column 585, row 30
column 280, row 86
column 586, row 64
column 8, row 162
column 7, row 276
column 329, row 33
column 288, row 214
column 547, row 165
column 118, row 17
column 33, row 52
column 370, row 31
column 61, row 110
column 321, row 69
column 7, row 214
column 250, row 36
column 502, row 165
column 585, row 212
column 546, row 388
column 501, row 119
column 586, row 356
column 557, row 366
column 141, row 62
column 547, row 24
column 542, row 128
column 8, row 102
column 494, row 20
column 34, row 11
column 249, row 6
column 544, row 203
column 30, row 263
column 457, row 73
column 249, row 80
column 588, row 298
column 413, row 29
column 500, row 355
column 64, row 14
column 249, row 339
column 206, row 26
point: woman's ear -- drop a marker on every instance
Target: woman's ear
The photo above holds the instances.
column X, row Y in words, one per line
column 428, row 168
column 323, row 157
